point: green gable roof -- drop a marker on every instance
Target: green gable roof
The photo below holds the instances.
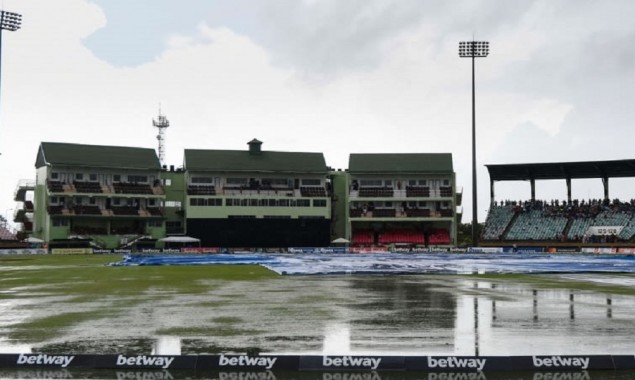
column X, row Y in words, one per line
column 96, row 156
column 244, row 161
column 428, row 163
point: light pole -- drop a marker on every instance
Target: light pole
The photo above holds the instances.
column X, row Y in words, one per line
column 474, row 49
column 8, row 21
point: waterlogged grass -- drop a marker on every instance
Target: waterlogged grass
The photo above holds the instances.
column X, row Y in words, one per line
column 554, row 282
column 58, row 301
column 216, row 331
column 87, row 277
column 52, row 326
column 57, row 293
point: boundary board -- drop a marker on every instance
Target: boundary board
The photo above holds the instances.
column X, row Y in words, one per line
column 232, row 362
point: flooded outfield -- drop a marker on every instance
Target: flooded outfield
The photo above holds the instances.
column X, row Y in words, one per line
column 371, row 314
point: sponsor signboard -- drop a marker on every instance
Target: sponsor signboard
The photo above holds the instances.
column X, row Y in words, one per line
column 341, row 367
column 200, row 249
column 485, row 249
column 23, row 251
column 571, row 362
column 454, row 363
column 624, row 361
column 599, row 250
column 343, row 363
column 317, row 250
column 72, row 251
column 368, row 249
column 50, row 360
column 146, row 361
column 237, row 362
column 604, row 230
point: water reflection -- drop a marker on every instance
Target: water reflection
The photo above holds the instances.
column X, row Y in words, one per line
column 309, row 375
column 400, row 315
column 167, row 345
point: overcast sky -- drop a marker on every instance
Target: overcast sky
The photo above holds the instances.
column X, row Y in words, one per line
column 331, row 76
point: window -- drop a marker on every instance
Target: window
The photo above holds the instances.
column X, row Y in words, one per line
column 173, row 225
column 446, row 182
column 319, row 203
column 214, row 202
column 116, row 201
column 54, row 200
column 167, row 182
column 138, row 178
column 55, row 175
column 207, row 180
column 79, row 176
column 92, row 177
column 371, row 182
column 116, row 177
column 154, row 223
column 59, row 222
column 311, row 182
column 172, row 204
column 303, row 203
column 278, row 181
column 92, row 201
column 236, row 181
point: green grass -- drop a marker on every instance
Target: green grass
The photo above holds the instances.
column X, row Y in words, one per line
column 107, row 290
column 87, row 277
column 553, row 282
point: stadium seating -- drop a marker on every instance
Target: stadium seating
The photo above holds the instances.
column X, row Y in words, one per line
column 132, row 188
column 363, row 237
column 401, row 236
column 376, row 192
column 497, row 221
column 201, row 190
column 312, row 191
column 560, row 221
column 87, row 187
column 439, row 236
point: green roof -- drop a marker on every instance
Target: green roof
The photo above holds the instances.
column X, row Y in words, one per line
column 96, row 156
column 424, row 163
column 245, row 161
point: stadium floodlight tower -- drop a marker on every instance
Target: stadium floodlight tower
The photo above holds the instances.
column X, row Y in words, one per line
column 8, row 21
column 161, row 123
column 474, row 49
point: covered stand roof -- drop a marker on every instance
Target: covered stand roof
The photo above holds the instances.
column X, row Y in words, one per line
column 96, row 156
column 562, row 170
column 254, row 160
column 400, row 163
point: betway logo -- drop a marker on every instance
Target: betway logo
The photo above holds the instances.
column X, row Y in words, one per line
column 351, row 376
column 247, row 361
column 148, row 361
column 452, row 362
column 61, row 360
column 135, row 375
column 584, row 375
column 457, row 376
column 559, row 361
column 351, row 361
column 265, row 375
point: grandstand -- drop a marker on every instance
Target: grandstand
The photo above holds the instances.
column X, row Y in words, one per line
column 569, row 222
column 257, row 198
column 92, row 193
column 401, row 199
column 121, row 197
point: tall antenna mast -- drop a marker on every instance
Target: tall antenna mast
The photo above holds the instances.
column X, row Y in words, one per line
column 161, row 122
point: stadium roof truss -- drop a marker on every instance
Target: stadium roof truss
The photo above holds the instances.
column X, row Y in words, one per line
column 561, row 170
